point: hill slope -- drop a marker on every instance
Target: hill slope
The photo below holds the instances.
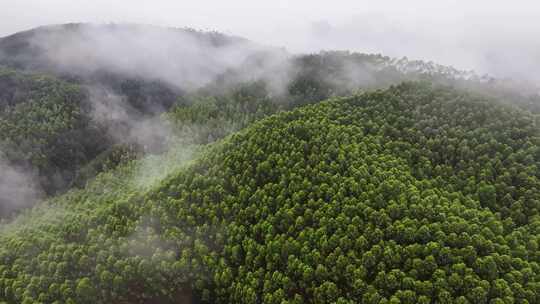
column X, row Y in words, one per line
column 413, row 194
column 46, row 133
column 105, row 87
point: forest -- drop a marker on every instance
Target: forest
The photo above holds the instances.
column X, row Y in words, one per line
column 413, row 194
column 403, row 182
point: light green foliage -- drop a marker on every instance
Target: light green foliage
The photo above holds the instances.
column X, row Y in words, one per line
column 411, row 195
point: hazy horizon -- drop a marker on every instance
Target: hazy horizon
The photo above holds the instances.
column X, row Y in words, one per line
column 486, row 36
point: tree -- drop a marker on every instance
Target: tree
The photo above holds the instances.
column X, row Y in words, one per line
column 85, row 290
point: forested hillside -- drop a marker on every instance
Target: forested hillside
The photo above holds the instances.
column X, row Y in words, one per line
column 45, row 128
column 52, row 131
column 413, row 194
column 87, row 109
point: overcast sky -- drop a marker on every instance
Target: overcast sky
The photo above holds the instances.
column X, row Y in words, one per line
column 497, row 37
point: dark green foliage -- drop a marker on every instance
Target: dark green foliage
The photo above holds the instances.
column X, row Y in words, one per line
column 335, row 73
column 408, row 195
column 44, row 124
column 204, row 117
column 105, row 161
column 142, row 95
column 47, row 126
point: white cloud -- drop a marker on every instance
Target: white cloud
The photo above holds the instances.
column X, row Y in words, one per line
column 497, row 37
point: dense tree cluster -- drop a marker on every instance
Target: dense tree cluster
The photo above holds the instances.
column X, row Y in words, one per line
column 209, row 115
column 47, row 126
column 44, row 124
column 413, row 194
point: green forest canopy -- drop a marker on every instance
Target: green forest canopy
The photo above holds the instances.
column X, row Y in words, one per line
column 47, row 125
column 414, row 194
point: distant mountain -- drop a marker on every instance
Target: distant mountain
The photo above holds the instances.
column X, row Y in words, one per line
column 151, row 66
column 125, row 57
column 149, row 52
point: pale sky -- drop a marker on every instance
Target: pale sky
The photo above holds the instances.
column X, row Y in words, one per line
column 496, row 37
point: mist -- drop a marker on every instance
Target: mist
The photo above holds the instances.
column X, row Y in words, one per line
column 19, row 187
column 125, row 124
column 183, row 58
column 493, row 37
column 104, row 57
